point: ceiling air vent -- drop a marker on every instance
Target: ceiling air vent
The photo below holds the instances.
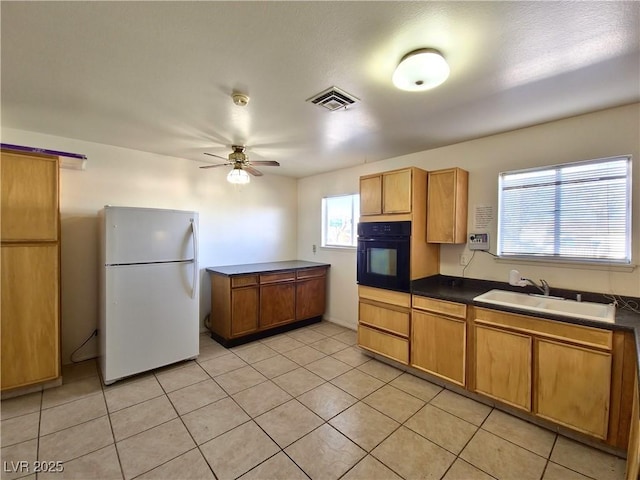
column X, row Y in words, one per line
column 333, row 98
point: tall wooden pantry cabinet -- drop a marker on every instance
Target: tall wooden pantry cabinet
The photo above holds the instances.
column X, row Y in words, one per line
column 30, row 283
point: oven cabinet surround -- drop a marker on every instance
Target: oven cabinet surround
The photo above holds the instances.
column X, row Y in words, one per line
column 384, row 318
column 447, row 206
column 438, row 338
column 30, row 285
column 253, row 300
column 401, row 195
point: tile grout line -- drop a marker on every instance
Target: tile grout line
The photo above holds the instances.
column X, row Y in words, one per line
column 115, row 444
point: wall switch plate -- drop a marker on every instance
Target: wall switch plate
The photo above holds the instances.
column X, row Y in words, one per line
column 479, row 241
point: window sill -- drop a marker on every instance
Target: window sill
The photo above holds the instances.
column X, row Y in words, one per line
column 608, row 267
column 338, row 247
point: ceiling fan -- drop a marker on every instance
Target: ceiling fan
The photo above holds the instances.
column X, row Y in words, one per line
column 241, row 165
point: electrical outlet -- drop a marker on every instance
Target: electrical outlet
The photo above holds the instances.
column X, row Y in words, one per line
column 464, row 259
column 314, row 248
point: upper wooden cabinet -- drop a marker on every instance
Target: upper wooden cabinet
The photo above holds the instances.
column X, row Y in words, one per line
column 386, row 193
column 371, row 195
column 29, row 205
column 447, row 206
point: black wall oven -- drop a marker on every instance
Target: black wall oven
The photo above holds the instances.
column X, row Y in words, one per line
column 383, row 255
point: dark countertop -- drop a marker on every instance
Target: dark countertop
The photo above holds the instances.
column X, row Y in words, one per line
column 249, row 268
column 463, row 290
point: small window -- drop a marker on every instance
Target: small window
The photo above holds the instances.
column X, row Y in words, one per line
column 340, row 220
column 572, row 212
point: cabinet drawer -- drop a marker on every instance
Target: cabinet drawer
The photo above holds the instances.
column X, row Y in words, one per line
column 440, row 306
column 277, row 277
column 588, row 336
column 390, row 319
column 311, row 272
column 386, row 296
column 384, row 344
column 244, row 280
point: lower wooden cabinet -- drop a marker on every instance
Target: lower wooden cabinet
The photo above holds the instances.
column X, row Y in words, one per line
column 439, row 338
column 277, row 304
column 311, row 297
column 503, row 366
column 244, row 310
column 384, row 319
column 30, row 314
column 573, row 386
column 385, row 344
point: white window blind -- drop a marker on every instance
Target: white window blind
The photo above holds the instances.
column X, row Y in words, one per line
column 576, row 211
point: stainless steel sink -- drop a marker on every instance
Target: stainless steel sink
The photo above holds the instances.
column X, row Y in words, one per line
column 556, row 306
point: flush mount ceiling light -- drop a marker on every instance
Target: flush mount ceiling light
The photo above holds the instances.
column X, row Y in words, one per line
column 238, row 176
column 420, row 70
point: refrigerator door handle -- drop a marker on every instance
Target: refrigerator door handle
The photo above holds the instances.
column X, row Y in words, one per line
column 194, row 229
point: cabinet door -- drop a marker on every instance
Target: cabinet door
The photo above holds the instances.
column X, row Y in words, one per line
column 573, row 386
column 447, row 206
column 310, row 297
column 396, row 192
column 244, row 310
column 371, row 195
column 277, row 304
column 29, row 198
column 30, row 314
column 503, row 366
column 438, row 345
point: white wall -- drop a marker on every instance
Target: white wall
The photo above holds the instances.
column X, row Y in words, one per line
column 596, row 135
column 256, row 223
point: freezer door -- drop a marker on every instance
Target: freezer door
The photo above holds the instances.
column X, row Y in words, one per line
column 145, row 235
column 150, row 320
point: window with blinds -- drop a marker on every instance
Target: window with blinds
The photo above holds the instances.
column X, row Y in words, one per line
column 572, row 212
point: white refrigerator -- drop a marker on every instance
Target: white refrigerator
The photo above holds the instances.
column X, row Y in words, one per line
column 148, row 289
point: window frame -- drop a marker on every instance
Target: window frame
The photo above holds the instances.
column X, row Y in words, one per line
column 558, row 257
column 355, row 214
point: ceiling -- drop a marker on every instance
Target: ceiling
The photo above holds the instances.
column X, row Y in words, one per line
column 158, row 76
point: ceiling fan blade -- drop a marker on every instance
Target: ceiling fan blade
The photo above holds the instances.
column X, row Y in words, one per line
column 253, row 171
column 266, row 163
column 216, row 165
column 214, row 155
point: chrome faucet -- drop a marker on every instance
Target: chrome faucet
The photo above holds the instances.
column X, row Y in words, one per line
column 543, row 287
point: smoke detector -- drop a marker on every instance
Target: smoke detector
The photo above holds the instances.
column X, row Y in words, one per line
column 240, row 99
column 333, row 99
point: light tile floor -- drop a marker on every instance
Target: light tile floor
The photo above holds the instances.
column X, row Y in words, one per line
column 305, row 404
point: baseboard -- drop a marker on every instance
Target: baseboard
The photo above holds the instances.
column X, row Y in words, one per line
column 342, row 323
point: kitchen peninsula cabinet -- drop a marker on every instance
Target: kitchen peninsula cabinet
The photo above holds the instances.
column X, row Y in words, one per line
column 255, row 300
column 30, row 284
column 447, row 206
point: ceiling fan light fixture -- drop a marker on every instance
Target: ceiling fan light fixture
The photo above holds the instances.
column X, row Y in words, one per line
column 238, row 176
column 421, row 70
